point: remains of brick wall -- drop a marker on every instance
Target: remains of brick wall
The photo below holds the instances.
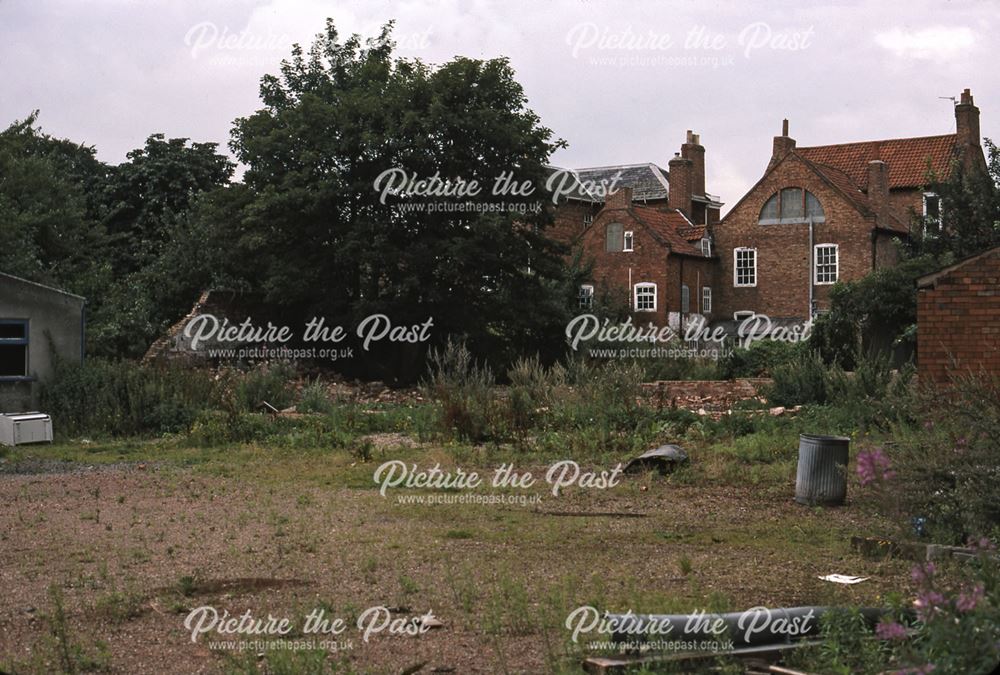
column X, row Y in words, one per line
column 716, row 394
column 958, row 320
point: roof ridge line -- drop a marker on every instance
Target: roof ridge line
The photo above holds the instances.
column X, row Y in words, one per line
column 880, row 140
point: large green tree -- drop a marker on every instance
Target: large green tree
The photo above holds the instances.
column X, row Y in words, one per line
column 150, row 217
column 316, row 237
column 122, row 236
column 49, row 212
column 147, row 195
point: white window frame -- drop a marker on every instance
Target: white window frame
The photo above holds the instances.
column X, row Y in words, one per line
column 635, row 296
column 836, row 264
column 585, row 296
column 932, row 232
column 736, row 267
column 628, row 241
column 588, row 219
column 743, row 315
column 706, row 247
column 706, row 299
column 924, row 202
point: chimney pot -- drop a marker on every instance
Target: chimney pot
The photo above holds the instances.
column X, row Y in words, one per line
column 784, row 127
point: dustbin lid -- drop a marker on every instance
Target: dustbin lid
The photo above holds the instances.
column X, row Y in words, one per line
column 823, row 439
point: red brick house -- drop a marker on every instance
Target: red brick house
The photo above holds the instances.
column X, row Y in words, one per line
column 646, row 242
column 958, row 319
column 827, row 213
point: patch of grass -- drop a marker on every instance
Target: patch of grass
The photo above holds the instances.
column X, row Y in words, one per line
column 187, row 586
column 408, row 585
column 71, row 655
column 119, row 606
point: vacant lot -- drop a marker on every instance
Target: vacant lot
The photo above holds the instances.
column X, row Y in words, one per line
column 104, row 549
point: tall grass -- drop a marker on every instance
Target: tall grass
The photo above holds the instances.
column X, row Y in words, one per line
column 124, row 398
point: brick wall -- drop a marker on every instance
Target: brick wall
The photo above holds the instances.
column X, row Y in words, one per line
column 616, row 273
column 570, row 220
column 958, row 320
column 783, row 253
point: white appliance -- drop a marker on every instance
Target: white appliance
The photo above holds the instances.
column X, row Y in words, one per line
column 20, row 428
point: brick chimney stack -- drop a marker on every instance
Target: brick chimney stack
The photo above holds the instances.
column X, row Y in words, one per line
column 783, row 144
column 878, row 187
column 693, row 149
column 967, row 120
column 619, row 199
column 967, row 130
column 681, row 176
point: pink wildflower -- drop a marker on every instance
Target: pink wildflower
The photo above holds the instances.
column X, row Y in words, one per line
column 873, row 465
column 927, row 604
column 967, row 602
column 890, row 631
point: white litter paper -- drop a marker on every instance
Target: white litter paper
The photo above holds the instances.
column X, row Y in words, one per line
column 843, row 579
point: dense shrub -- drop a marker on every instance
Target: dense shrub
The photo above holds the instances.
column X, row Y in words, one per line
column 124, row 398
column 946, row 471
column 466, row 392
column 873, row 396
column 681, row 369
column 801, row 381
column 314, row 398
column 605, row 395
column 760, row 359
column 600, row 399
column 533, row 391
column 248, row 391
column 877, row 311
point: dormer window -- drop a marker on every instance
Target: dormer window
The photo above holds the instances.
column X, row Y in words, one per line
column 791, row 205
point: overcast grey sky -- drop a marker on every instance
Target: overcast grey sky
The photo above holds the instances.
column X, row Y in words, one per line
column 620, row 80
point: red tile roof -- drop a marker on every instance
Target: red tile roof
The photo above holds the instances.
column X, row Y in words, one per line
column 908, row 158
column 667, row 225
column 842, row 182
column 692, row 232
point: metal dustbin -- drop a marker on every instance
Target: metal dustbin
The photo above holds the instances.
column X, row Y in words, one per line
column 821, row 478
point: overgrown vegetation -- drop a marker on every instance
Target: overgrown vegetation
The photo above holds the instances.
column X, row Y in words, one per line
column 941, row 477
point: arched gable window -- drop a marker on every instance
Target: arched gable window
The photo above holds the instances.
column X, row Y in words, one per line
column 791, row 205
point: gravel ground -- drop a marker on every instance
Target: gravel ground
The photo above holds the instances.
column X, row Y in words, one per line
column 133, row 547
